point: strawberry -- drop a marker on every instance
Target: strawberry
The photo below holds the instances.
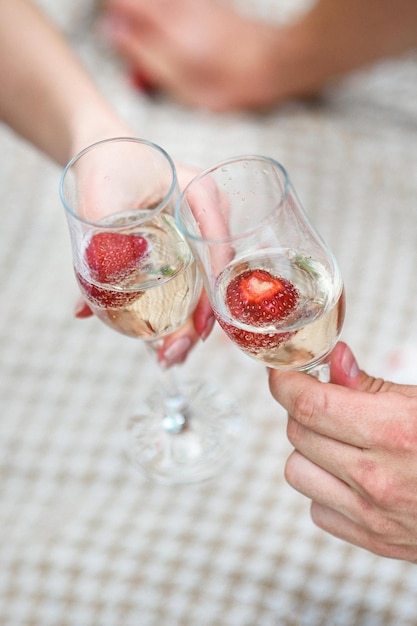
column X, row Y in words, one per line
column 106, row 298
column 257, row 298
column 112, row 257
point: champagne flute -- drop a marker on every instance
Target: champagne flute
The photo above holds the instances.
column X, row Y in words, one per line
column 138, row 275
column 274, row 285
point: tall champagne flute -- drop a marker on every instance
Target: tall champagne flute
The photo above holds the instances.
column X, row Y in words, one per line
column 138, row 275
column 274, row 285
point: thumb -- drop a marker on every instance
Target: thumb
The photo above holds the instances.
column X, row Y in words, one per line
column 344, row 370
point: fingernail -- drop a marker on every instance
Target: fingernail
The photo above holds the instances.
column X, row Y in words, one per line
column 81, row 309
column 208, row 327
column 349, row 364
column 176, row 351
column 142, row 82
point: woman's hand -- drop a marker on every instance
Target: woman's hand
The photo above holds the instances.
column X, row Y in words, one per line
column 202, row 52
column 207, row 54
column 175, row 347
column 355, row 454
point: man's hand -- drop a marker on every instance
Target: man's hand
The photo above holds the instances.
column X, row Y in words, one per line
column 355, row 454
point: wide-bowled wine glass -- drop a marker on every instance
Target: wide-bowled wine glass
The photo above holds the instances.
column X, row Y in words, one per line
column 274, row 286
column 138, row 275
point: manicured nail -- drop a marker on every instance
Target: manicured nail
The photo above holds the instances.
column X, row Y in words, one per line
column 176, row 351
column 349, row 364
column 208, row 327
column 82, row 309
column 140, row 81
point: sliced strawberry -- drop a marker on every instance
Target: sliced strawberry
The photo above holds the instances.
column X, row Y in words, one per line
column 254, row 342
column 106, row 298
column 257, row 297
column 112, row 257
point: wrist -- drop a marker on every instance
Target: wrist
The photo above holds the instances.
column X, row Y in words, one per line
column 291, row 63
column 94, row 124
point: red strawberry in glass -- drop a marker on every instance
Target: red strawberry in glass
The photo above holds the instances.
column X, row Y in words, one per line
column 114, row 256
column 281, row 321
column 257, row 298
column 111, row 258
column 136, row 281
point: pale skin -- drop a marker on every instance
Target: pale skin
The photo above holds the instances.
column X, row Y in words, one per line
column 205, row 54
column 47, row 97
column 355, row 454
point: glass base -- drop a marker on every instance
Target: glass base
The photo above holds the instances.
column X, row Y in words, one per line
column 191, row 442
column 320, row 371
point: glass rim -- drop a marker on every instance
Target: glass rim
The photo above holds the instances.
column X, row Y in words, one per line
column 109, row 140
column 216, row 166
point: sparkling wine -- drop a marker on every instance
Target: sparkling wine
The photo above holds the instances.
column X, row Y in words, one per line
column 308, row 333
column 159, row 295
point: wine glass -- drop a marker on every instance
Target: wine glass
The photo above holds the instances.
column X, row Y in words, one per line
column 138, row 275
column 274, row 286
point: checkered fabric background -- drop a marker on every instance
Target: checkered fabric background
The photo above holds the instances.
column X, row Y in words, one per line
column 85, row 540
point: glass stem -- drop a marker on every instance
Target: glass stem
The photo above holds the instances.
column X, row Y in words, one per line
column 174, row 403
column 321, row 371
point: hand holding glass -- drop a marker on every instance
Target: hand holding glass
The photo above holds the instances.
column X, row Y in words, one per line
column 274, row 286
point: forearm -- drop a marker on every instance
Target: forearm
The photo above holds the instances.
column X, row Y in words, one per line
column 332, row 39
column 345, row 34
column 46, row 96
